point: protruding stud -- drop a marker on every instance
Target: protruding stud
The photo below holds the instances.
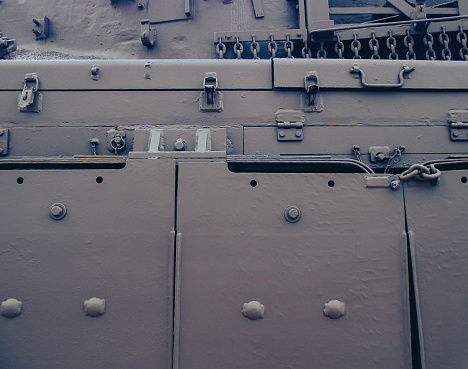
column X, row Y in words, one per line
column 292, row 214
column 94, row 307
column 57, row 211
column 10, row 308
column 253, row 310
column 334, row 309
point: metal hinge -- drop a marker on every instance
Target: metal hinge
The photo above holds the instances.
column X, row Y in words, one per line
column 458, row 120
column 312, row 100
column 289, row 125
column 29, row 99
column 210, row 99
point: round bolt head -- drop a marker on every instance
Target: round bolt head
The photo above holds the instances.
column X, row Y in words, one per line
column 334, row 309
column 57, row 211
column 179, row 145
column 253, row 310
column 10, row 308
column 292, row 214
column 94, row 307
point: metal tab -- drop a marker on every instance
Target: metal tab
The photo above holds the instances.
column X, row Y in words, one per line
column 210, row 99
column 41, row 29
column 29, row 99
column 458, row 120
column 289, row 125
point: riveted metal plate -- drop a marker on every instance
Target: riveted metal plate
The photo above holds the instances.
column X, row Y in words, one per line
column 114, row 244
column 238, row 247
column 438, row 239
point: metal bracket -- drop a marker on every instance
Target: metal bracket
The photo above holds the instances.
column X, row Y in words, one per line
column 148, row 35
column 290, row 124
column 458, row 120
column 379, row 153
column 6, row 46
column 29, row 99
column 312, row 101
column 210, row 99
column 4, row 138
column 41, row 29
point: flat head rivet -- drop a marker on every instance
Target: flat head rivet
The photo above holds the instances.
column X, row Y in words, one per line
column 282, row 133
column 57, row 211
column 292, row 214
column 10, row 308
column 298, row 133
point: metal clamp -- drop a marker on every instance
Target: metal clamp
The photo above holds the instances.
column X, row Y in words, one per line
column 210, row 99
column 27, row 101
column 405, row 70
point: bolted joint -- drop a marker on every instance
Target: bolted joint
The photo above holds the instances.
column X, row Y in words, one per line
column 292, row 214
column 57, row 211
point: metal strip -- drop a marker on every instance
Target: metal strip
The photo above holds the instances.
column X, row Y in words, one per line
column 178, row 272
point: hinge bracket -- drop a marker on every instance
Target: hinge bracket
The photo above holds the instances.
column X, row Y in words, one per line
column 210, row 99
column 312, row 100
column 290, row 124
column 29, row 99
column 458, row 120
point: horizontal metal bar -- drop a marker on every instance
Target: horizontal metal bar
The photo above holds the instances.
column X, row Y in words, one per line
column 356, row 10
column 261, row 35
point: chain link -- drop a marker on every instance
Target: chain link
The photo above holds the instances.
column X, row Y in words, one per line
column 306, row 52
column 255, row 48
column 391, row 45
column 444, row 40
column 339, row 47
column 421, row 172
column 220, row 48
column 238, row 48
column 272, row 47
column 288, row 47
column 461, row 38
column 409, row 44
column 321, row 53
column 429, row 42
column 356, row 47
column 374, row 47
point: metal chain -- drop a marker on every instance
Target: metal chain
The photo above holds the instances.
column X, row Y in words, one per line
column 238, row 48
column 409, row 44
column 306, row 52
column 339, row 47
column 272, row 47
column 422, row 173
column 391, row 45
column 394, row 158
column 374, row 47
column 288, row 46
column 357, row 153
column 429, row 42
column 321, row 54
column 444, row 40
column 220, row 48
column 255, row 48
column 461, row 38
column 355, row 47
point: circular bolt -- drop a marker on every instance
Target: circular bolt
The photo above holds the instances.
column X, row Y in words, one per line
column 10, row 308
column 395, row 184
column 94, row 307
column 253, row 310
column 282, row 133
column 57, row 211
column 380, row 156
column 298, row 133
column 292, row 214
column 334, row 309
column 179, row 145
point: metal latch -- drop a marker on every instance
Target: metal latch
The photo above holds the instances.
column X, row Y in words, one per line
column 210, row 99
column 458, row 120
column 290, row 124
column 312, row 100
column 29, row 99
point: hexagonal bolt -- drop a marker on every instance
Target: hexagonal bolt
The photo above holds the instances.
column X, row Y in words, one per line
column 334, row 309
column 10, row 308
column 253, row 310
column 292, row 214
column 94, row 307
column 57, row 211
column 179, row 145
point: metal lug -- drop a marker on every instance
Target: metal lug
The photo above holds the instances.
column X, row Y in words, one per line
column 41, row 29
column 148, row 35
column 290, row 124
column 116, row 141
column 379, row 153
column 29, row 99
column 210, row 99
column 458, row 120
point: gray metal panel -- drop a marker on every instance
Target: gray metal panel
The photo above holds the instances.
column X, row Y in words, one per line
column 137, row 74
column 439, row 238
column 114, row 243
column 237, row 246
column 290, row 73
